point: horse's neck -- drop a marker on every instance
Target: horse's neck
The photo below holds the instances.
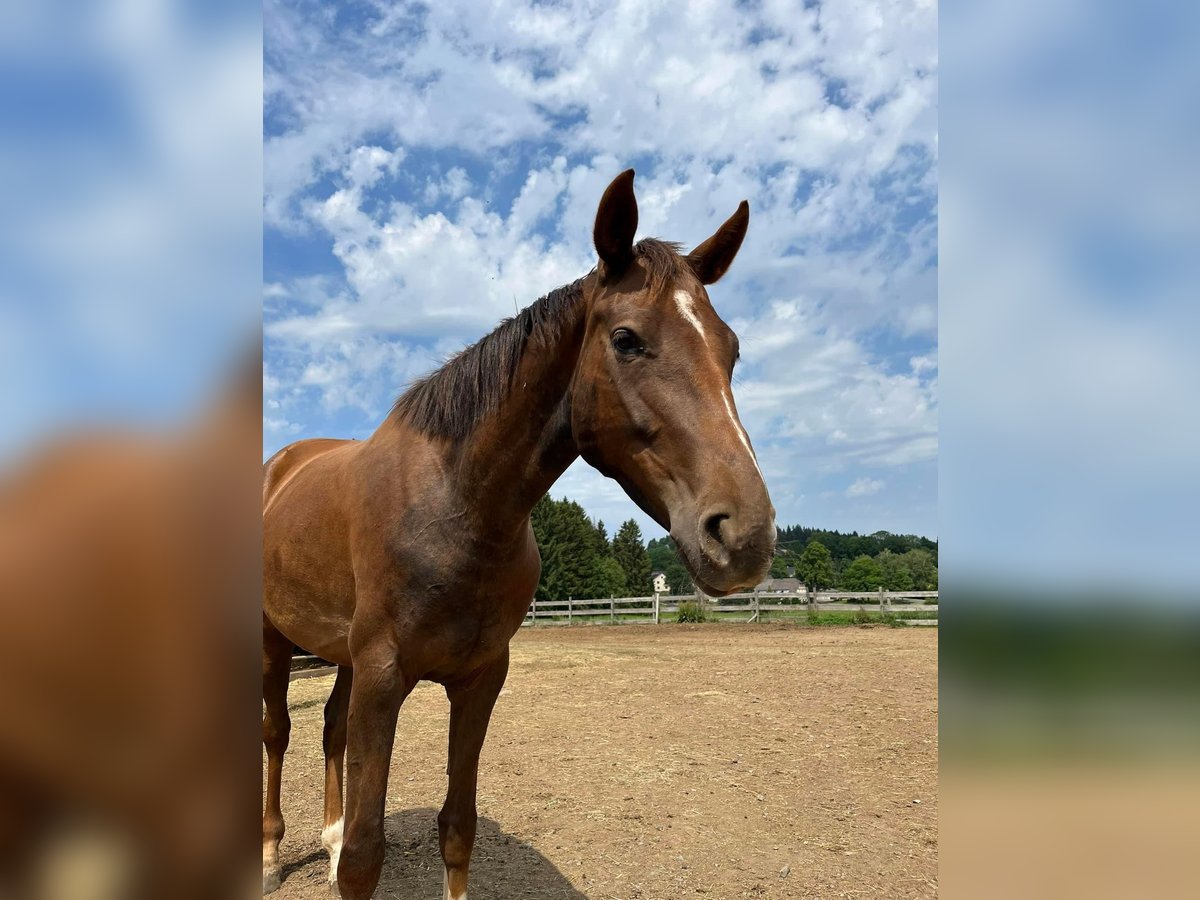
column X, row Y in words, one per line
column 515, row 455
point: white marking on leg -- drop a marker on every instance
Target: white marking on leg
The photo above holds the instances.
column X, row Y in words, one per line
column 271, row 874
column 741, row 432
column 446, row 895
column 331, row 840
column 683, row 300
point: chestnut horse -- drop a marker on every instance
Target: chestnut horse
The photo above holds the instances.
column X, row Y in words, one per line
column 410, row 556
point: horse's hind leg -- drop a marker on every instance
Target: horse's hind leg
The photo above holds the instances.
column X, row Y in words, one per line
column 334, row 741
column 277, row 726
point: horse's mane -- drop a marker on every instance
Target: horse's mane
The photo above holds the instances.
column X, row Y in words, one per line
column 448, row 402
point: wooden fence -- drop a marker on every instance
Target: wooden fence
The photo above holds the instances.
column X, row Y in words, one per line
column 754, row 605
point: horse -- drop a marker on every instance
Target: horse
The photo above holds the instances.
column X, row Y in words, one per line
column 409, row 555
column 128, row 594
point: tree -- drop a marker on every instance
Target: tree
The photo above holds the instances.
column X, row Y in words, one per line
column 816, row 566
column 896, row 576
column 607, row 579
column 602, row 545
column 664, row 557
column 920, row 565
column 678, row 578
column 780, row 564
column 544, row 519
column 661, row 551
column 629, row 553
column 572, row 564
column 845, row 547
column 863, row 574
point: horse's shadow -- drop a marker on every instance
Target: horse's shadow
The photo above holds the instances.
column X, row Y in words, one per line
column 502, row 866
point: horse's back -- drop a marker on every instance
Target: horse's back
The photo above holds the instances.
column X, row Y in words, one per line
column 288, row 461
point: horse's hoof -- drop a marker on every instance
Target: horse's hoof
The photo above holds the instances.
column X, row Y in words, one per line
column 270, row 881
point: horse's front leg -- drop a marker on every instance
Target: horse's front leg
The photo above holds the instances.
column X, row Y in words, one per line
column 471, row 706
column 378, row 689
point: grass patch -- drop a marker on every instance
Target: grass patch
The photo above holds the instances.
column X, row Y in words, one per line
column 690, row 611
column 864, row 617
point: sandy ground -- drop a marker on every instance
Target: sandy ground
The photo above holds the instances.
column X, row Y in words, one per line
column 719, row 761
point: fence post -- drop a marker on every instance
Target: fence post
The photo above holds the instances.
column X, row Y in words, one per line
column 755, row 617
column 656, row 607
column 534, row 622
column 612, row 610
column 882, row 599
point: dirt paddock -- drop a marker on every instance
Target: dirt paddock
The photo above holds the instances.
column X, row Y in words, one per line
column 722, row 761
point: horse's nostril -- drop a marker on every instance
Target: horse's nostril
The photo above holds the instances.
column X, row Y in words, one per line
column 712, row 526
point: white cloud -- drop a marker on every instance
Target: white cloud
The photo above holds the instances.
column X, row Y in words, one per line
column 713, row 83
column 366, row 165
column 278, row 427
column 921, row 364
column 864, row 487
column 454, row 186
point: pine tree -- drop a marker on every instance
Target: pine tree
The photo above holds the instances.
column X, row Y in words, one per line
column 602, row 545
column 629, row 553
column 544, row 520
column 579, row 554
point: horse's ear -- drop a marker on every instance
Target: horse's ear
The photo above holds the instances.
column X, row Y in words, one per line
column 712, row 258
column 616, row 223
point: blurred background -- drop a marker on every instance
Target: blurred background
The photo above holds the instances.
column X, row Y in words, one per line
column 1069, row 449
column 130, row 335
column 1069, row 470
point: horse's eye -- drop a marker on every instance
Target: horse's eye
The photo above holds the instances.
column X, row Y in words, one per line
column 627, row 343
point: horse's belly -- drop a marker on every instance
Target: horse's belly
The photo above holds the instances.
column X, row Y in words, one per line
column 317, row 622
column 308, row 588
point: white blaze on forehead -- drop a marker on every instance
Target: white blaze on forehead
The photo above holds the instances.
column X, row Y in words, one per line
column 741, row 432
column 683, row 300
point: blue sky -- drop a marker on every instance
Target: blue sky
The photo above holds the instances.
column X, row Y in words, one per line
column 429, row 169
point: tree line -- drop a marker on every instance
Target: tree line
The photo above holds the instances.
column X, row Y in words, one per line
column 911, row 569
column 579, row 560
column 848, row 547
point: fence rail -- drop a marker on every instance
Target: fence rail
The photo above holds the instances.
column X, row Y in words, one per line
column 754, row 604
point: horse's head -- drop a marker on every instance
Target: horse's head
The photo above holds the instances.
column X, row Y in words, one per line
column 651, row 404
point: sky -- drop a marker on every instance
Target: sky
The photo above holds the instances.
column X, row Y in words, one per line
column 429, row 169
column 130, row 227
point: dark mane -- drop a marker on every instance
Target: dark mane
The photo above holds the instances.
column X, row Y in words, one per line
column 449, row 401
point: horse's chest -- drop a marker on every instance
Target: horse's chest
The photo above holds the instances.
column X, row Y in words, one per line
column 469, row 618
column 496, row 598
